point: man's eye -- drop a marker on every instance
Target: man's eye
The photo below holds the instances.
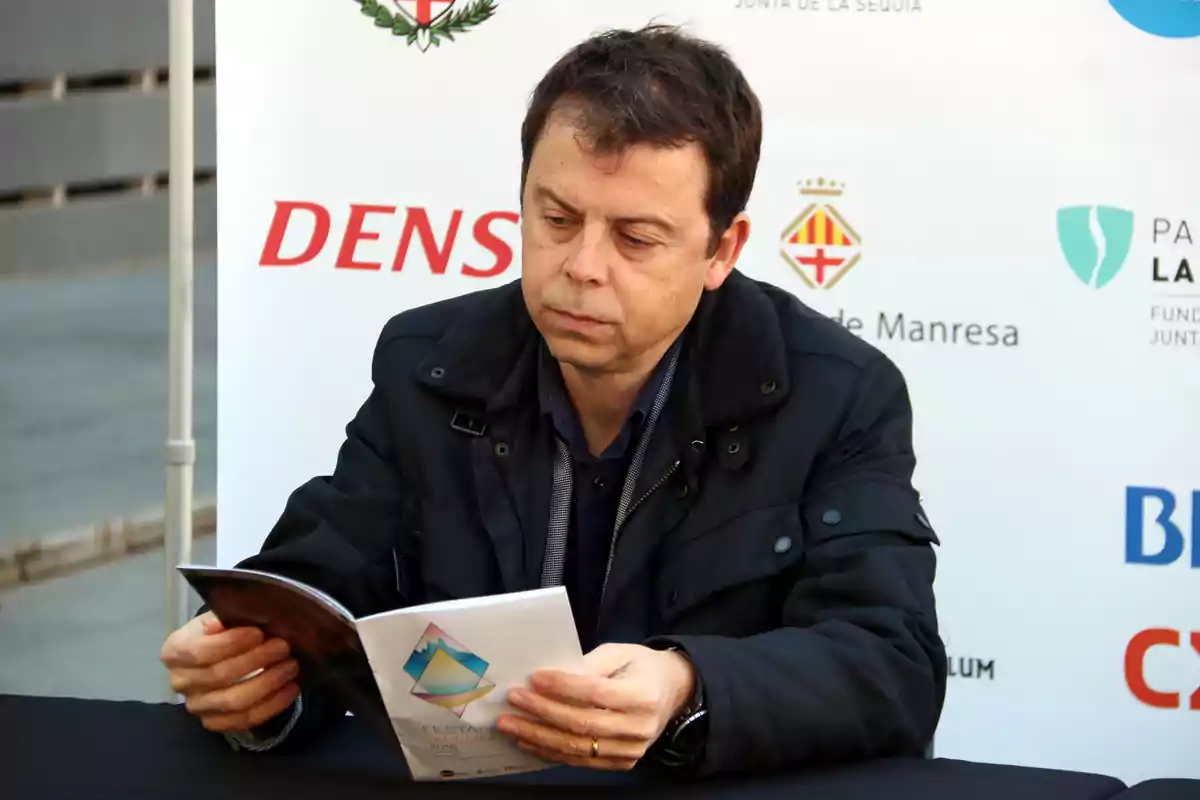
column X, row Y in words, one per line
column 557, row 222
column 633, row 241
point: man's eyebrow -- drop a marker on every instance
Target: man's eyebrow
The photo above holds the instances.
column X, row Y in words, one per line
column 544, row 193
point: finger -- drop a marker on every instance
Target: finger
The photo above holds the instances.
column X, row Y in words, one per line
column 585, row 722
column 591, row 691
column 204, row 651
column 210, row 623
column 189, row 680
column 568, row 744
column 244, row 695
column 607, row 659
column 602, row 662
column 611, row 764
column 194, row 628
column 268, row 709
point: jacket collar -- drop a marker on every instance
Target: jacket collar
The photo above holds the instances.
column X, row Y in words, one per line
column 734, row 354
column 554, row 401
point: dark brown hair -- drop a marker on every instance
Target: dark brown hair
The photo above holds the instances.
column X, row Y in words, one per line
column 663, row 87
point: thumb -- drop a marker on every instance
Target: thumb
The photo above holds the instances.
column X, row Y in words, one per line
column 211, row 624
column 607, row 659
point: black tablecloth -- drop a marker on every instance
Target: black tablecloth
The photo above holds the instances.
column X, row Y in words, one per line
column 59, row 748
column 1163, row 790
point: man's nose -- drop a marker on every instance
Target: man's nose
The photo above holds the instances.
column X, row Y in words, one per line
column 589, row 261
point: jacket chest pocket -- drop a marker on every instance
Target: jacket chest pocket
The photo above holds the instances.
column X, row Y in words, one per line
column 731, row 580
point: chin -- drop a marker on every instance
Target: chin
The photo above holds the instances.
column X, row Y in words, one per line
column 578, row 353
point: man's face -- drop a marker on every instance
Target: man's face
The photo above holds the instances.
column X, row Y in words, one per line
column 615, row 248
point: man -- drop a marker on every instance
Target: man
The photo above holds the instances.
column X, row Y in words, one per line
column 718, row 475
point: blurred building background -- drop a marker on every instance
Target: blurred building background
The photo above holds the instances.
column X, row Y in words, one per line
column 83, row 340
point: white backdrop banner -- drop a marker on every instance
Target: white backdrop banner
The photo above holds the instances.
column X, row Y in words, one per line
column 1004, row 197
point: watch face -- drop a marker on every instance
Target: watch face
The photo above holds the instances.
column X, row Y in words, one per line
column 691, row 734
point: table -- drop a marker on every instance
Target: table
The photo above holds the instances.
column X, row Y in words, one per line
column 1163, row 790
column 65, row 749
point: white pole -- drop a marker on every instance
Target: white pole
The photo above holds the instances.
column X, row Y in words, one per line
column 181, row 448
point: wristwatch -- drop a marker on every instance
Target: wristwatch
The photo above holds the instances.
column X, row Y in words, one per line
column 270, row 734
column 682, row 742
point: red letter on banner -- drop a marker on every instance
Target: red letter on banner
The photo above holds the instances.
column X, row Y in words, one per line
column 1135, row 675
column 1194, row 705
column 283, row 214
column 438, row 257
column 356, row 234
column 499, row 247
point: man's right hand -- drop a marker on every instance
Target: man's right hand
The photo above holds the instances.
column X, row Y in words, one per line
column 210, row 665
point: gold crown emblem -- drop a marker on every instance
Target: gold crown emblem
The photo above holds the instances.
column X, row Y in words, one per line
column 822, row 187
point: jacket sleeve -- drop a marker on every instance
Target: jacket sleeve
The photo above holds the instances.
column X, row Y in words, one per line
column 349, row 534
column 857, row 669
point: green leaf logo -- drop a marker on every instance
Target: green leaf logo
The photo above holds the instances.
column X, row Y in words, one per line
column 1095, row 262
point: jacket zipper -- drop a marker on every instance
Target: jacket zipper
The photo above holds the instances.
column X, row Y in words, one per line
column 612, row 548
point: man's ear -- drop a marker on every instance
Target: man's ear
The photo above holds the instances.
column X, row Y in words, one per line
column 729, row 248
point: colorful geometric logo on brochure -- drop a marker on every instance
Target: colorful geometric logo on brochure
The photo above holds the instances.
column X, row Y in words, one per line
column 446, row 673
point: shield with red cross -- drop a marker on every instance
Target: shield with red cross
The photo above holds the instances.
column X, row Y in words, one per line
column 820, row 245
column 424, row 13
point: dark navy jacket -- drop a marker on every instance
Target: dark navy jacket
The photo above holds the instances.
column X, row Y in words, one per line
column 781, row 546
column 597, row 485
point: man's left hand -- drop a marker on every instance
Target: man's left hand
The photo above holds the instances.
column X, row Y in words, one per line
column 606, row 714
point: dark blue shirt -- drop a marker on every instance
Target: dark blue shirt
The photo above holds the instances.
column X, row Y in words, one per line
column 598, row 481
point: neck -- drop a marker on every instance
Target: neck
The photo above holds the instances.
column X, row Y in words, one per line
column 603, row 400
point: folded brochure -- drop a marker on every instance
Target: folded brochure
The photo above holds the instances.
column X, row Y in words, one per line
column 435, row 677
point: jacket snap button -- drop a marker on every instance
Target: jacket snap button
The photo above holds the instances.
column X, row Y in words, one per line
column 783, row 544
column 697, row 446
column 831, row 517
column 768, row 387
column 501, row 450
column 733, row 448
column 682, row 491
column 437, row 373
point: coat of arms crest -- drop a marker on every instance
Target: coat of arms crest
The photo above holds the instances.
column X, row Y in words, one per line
column 428, row 22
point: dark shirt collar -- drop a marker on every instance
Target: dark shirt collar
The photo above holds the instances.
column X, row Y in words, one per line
column 556, row 403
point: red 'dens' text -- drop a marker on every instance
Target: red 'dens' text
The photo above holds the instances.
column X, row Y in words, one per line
column 368, row 223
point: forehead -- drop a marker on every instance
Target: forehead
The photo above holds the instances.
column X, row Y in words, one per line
column 641, row 177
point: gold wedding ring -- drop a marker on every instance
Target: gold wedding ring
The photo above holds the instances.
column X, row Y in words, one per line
column 595, row 747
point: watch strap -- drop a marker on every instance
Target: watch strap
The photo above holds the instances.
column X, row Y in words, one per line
column 668, row 750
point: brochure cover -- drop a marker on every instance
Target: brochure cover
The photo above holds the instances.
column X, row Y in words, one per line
column 434, row 676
